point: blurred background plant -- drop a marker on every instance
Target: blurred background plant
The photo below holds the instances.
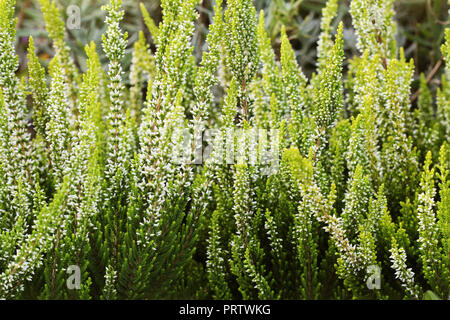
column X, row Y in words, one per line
column 421, row 25
column 92, row 26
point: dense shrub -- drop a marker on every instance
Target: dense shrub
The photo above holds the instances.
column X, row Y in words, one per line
column 284, row 187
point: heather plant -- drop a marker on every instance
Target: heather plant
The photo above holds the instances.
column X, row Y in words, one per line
column 232, row 176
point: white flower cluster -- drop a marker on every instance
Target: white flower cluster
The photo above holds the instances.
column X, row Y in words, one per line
column 59, row 127
column 373, row 23
column 17, row 164
column 118, row 142
column 427, row 223
column 402, row 272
